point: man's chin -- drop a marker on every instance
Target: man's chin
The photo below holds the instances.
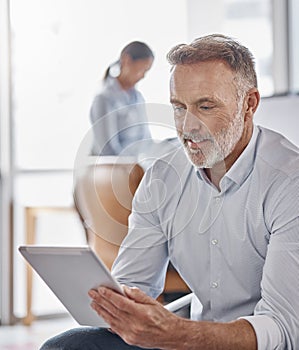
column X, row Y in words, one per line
column 199, row 160
column 196, row 158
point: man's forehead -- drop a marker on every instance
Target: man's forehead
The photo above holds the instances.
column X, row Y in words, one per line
column 215, row 67
column 195, row 77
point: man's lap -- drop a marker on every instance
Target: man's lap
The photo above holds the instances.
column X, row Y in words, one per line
column 87, row 338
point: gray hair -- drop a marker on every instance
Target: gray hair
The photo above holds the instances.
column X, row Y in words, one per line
column 222, row 48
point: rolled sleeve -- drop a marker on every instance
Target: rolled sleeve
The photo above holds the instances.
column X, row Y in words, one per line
column 268, row 333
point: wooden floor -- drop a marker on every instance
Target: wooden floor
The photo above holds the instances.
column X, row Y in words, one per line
column 21, row 337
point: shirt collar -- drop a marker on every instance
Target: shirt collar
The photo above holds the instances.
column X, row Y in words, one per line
column 242, row 167
column 115, row 85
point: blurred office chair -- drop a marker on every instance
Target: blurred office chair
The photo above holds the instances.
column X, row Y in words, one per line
column 103, row 193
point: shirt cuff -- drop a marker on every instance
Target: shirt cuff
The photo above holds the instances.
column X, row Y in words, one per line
column 267, row 332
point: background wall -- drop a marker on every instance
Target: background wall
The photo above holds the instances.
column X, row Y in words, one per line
column 280, row 114
column 60, row 55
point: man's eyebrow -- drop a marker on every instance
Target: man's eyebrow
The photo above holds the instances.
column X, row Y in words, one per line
column 200, row 100
column 174, row 100
column 204, row 99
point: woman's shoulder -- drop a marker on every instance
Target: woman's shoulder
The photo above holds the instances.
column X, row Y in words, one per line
column 105, row 90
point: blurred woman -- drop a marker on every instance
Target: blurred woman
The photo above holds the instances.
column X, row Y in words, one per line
column 118, row 114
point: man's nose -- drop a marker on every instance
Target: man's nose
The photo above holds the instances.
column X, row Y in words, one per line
column 190, row 123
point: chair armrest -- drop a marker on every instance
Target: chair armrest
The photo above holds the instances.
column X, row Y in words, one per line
column 179, row 303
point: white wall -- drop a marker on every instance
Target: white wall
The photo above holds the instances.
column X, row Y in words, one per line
column 294, row 40
column 60, row 52
column 280, row 114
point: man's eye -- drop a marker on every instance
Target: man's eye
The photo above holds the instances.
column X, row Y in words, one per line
column 179, row 110
column 206, row 108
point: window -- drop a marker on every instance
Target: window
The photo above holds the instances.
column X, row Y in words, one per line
column 294, row 45
column 248, row 21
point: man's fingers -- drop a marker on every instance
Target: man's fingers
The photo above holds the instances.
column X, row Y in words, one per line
column 106, row 315
column 106, row 305
column 111, row 299
column 117, row 319
column 125, row 303
column 138, row 296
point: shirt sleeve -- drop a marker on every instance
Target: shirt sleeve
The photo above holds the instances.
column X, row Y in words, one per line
column 276, row 316
column 143, row 256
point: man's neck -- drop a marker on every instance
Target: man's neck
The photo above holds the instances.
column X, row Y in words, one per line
column 216, row 173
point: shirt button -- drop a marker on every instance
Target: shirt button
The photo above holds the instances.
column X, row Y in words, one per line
column 217, row 199
column 214, row 285
column 214, row 241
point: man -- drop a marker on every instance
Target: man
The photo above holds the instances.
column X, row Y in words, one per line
column 226, row 216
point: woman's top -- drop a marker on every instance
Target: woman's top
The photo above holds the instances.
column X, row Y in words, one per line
column 118, row 120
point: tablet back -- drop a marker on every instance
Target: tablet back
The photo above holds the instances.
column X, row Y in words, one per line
column 70, row 272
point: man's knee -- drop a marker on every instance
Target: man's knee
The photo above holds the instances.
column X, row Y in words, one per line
column 78, row 338
column 87, row 338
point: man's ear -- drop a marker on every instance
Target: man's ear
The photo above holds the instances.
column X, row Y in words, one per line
column 252, row 101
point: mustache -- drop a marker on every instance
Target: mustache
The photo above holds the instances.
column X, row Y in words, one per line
column 196, row 137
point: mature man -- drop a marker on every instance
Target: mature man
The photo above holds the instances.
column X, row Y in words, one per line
column 227, row 220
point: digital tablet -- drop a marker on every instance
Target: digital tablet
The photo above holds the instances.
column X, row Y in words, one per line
column 70, row 272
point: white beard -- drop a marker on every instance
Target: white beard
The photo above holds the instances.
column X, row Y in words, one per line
column 219, row 145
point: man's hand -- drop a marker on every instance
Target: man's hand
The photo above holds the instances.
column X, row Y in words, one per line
column 142, row 321
column 138, row 319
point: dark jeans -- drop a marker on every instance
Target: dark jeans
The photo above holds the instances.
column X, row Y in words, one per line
column 87, row 338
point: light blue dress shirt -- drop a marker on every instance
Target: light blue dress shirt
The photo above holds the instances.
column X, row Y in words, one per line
column 118, row 120
column 237, row 248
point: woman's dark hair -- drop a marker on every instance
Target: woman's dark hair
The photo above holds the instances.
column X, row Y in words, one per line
column 137, row 50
